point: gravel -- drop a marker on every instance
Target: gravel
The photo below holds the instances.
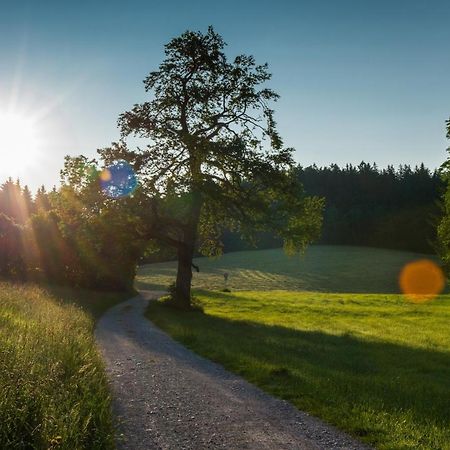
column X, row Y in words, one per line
column 167, row 397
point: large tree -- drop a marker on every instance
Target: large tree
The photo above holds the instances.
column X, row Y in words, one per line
column 212, row 155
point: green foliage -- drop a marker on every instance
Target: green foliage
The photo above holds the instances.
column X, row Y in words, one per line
column 53, row 390
column 75, row 235
column 102, row 234
column 444, row 225
column 373, row 365
column 11, row 258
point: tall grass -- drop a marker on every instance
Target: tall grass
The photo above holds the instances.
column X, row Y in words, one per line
column 53, row 390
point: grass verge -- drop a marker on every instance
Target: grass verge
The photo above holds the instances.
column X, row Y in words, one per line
column 373, row 365
column 53, row 390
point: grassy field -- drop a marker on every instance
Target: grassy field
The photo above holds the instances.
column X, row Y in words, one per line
column 321, row 268
column 53, row 391
column 372, row 364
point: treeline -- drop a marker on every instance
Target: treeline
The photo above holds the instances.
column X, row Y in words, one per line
column 365, row 205
column 80, row 236
column 388, row 208
column 73, row 235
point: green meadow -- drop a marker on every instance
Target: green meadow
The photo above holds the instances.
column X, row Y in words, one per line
column 368, row 361
column 321, row 268
column 53, row 390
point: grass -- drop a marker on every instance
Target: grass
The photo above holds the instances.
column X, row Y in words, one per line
column 53, row 390
column 372, row 364
column 322, row 268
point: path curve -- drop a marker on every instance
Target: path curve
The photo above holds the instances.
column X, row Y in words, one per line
column 167, row 397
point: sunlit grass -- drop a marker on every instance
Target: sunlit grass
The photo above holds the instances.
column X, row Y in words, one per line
column 53, row 390
column 374, row 365
column 370, row 362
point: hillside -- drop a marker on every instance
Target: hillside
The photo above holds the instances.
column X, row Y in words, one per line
column 322, row 268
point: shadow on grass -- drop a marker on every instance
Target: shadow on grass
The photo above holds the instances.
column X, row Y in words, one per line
column 147, row 286
column 384, row 393
column 94, row 302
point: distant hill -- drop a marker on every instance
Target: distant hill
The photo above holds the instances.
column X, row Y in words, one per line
column 322, row 268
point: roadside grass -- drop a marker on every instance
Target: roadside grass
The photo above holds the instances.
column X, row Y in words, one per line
column 53, row 390
column 374, row 365
column 322, row 268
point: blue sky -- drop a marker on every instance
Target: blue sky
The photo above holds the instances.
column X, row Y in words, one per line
column 358, row 80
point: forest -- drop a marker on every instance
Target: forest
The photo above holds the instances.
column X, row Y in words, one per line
column 368, row 206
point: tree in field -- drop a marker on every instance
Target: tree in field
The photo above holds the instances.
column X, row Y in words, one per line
column 213, row 156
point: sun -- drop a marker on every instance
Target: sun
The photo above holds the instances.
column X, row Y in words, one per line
column 19, row 141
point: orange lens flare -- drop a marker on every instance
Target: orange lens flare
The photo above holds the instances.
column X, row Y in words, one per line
column 105, row 175
column 421, row 280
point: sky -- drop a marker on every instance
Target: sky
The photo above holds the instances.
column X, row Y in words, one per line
column 359, row 80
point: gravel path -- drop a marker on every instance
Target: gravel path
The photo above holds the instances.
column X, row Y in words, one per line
column 166, row 397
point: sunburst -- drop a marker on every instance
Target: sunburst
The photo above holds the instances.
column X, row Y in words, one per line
column 19, row 141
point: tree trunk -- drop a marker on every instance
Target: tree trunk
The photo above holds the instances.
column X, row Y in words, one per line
column 186, row 253
column 184, row 275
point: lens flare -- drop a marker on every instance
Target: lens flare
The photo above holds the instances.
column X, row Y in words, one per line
column 118, row 180
column 421, row 280
column 105, row 175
